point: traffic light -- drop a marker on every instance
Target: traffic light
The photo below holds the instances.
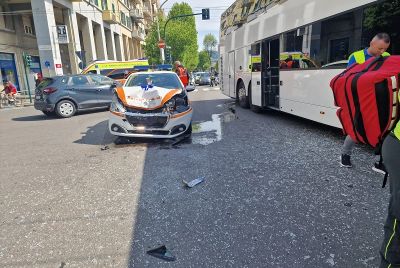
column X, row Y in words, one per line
column 28, row 60
column 168, row 54
column 205, row 13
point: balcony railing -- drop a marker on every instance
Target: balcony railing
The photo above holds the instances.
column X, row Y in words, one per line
column 136, row 14
column 111, row 17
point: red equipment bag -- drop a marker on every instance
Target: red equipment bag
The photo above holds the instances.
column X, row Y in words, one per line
column 367, row 97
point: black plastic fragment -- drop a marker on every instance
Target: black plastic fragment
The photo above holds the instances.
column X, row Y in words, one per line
column 162, row 253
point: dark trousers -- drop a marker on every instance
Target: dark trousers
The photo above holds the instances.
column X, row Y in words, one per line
column 390, row 251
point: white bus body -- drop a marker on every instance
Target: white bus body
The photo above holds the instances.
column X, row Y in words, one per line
column 302, row 91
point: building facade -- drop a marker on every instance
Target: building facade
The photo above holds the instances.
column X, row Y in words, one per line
column 63, row 36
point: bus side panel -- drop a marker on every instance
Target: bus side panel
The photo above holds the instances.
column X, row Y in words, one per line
column 306, row 93
column 225, row 74
column 242, row 63
column 231, row 74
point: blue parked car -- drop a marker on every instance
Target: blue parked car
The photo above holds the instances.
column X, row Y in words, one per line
column 65, row 95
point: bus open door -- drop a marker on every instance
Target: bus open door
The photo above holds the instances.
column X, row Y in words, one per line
column 270, row 73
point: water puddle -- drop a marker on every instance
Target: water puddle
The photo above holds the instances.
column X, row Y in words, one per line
column 206, row 133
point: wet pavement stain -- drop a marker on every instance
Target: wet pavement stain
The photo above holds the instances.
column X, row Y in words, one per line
column 206, row 133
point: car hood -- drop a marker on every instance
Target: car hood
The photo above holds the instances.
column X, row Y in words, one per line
column 146, row 99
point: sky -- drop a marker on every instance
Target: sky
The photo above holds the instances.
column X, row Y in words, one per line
column 217, row 7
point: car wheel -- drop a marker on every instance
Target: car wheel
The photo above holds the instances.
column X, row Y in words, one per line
column 242, row 98
column 65, row 108
column 48, row 113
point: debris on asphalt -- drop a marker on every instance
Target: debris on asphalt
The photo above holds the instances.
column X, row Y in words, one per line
column 349, row 204
column 104, row 148
column 181, row 139
column 162, row 253
column 194, row 182
column 63, row 264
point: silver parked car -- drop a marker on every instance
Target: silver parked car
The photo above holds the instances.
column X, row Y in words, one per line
column 65, row 95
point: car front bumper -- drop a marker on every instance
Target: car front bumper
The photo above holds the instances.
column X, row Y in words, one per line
column 149, row 125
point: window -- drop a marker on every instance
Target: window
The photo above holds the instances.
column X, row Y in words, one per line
column 79, row 81
column 28, row 29
column 104, row 4
column 100, row 80
column 123, row 18
column 256, row 57
column 165, row 80
column 113, row 8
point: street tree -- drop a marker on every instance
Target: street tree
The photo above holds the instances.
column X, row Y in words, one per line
column 204, row 61
column 181, row 36
column 210, row 43
column 151, row 48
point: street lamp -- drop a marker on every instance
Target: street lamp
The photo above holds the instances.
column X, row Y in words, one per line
column 159, row 36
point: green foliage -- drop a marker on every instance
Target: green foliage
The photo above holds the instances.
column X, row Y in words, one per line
column 210, row 43
column 182, row 36
column 204, row 61
column 151, row 49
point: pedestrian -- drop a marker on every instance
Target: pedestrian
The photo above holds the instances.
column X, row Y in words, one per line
column 9, row 91
column 182, row 73
column 390, row 250
column 378, row 46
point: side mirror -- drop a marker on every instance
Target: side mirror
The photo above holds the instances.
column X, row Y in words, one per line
column 190, row 88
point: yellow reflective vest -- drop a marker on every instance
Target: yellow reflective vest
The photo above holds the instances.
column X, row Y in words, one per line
column 396, row 130
column 359, row 56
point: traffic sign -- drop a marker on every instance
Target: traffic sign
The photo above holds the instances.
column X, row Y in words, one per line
column 161, row 44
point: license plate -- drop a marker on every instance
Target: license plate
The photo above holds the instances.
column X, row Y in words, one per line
column 37, row 97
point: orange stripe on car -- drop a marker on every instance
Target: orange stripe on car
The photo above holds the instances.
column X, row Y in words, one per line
column 182, row 114
column 169, row 95
column 117, row 114
column 121, row 95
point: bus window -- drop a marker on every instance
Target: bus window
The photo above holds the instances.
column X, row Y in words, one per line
column 256, row 57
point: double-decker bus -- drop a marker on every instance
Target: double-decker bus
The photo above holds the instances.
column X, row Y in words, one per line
column 282, row 54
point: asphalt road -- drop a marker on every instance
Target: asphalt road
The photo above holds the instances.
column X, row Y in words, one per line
column 273, row 195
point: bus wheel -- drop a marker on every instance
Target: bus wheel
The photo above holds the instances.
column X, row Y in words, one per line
column 242, row 99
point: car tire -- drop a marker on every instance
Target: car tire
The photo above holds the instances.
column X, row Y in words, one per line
column 65, row 108
column 241, row 96
column 48, row 113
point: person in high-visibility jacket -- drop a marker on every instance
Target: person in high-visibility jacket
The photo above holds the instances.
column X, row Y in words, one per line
column 390, row 250
column 182, row 73
column 378, row 46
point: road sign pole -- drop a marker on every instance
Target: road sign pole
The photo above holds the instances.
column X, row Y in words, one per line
column 26, row 78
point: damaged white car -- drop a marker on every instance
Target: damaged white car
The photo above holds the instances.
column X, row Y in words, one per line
column 151, row 105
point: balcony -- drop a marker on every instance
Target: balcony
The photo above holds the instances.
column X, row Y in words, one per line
column 136, row 14
column 138, row 35
column 110, row 17
column 146, row 11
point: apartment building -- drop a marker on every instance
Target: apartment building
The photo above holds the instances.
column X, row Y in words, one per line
column 63, row 36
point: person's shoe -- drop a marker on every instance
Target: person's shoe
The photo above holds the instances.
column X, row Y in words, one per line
column 379, row 167
column 345, row 161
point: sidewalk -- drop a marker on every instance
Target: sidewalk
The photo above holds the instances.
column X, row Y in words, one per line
column 21, row 101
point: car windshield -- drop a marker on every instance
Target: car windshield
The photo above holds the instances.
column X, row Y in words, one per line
column 165, row 80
